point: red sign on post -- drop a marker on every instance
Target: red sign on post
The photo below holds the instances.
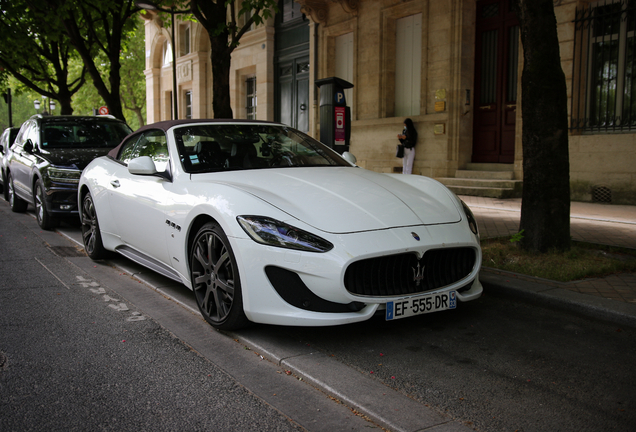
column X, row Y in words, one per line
column 103, row 110
column 340, row 125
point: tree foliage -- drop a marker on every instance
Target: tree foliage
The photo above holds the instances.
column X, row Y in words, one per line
column 545, row 209
column 133, row 62
column 21, row 103
column 35, row 51
column 92, row 27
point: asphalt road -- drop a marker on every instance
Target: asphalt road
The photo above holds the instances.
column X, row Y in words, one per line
column 493, row 365
column 498, row 365
column 75, row 354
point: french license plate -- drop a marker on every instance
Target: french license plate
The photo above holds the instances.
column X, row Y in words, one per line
column 420, row 305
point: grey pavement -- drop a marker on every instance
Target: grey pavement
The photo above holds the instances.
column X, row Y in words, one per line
column 610, row 298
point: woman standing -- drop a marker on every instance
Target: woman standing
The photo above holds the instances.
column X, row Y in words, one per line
column 408, row 138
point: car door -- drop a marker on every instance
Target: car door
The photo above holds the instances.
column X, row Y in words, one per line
column 138, row 202
column 22, row 161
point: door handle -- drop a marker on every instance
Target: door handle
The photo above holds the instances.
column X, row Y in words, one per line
column 114, row 183
column 484, row 107
column 511, row 106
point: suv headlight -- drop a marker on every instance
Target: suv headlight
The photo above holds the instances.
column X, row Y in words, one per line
column 271, row 232
column 61, row 175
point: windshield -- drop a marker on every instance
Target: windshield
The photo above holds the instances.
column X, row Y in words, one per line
column 88, row 134
column 222, row 147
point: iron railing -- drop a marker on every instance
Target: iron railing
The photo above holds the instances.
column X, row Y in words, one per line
column 604, row 68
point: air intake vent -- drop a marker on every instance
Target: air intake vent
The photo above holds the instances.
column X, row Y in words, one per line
column 601, row 194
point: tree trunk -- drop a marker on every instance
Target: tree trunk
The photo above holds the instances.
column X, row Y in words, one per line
column 545, row 209
column 221, row 56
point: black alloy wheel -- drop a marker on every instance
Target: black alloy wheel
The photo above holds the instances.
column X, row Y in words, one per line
column 45, row 220
column 17, row 204
column 91, row 235
column 215, row 279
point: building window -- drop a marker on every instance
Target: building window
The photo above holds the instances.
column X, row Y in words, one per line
column 184, row 38
column 408, row 65
column 604, row 75
column 188, row 104
column 167, row 53
column 250, row 92
column 245, row 17
column 290, row 10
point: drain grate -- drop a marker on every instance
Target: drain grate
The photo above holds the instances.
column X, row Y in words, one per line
column 67, row 251
column 601, row 194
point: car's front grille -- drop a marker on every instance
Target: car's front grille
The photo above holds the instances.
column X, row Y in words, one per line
column 404, row 274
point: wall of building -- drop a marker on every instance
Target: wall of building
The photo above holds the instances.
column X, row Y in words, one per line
column 253, row 57
column 599, row 159
column 445, row 136
column 448, row 58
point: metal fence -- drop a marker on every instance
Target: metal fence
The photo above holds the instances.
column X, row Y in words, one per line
column 604, row 68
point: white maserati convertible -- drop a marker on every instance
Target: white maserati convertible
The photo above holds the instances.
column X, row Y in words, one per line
column 266, row 224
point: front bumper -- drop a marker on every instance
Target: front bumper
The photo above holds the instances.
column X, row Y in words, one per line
column 61, row 199
column 323, row 274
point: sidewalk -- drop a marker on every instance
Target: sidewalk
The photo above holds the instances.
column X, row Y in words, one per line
column 615, row 225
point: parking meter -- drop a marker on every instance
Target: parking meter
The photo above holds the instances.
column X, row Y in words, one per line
column 335, row 115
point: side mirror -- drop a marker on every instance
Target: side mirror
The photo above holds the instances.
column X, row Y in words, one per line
column 349, row 157
column 143, row 165
column 28, row 146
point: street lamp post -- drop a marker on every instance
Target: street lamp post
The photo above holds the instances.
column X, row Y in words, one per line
column 51, row 104
column 36, row 104
column 151, row 6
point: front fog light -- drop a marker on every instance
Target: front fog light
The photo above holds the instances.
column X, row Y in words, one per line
column 271, row 232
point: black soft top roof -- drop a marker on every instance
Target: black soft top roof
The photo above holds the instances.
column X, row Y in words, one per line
column 167, row 124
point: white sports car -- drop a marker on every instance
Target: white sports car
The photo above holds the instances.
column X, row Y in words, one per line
column 266, row 224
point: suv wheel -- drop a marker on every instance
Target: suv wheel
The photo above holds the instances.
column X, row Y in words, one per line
column 45, row 220
column 17, row 204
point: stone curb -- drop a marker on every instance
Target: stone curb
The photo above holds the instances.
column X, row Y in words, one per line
column 551, row 294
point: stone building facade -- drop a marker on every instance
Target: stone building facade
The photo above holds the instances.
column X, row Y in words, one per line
column 452, row 66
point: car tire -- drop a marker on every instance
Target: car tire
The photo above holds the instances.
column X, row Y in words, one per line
column 91, row 235
column 18, row 205
column 215, row 279
column 45, row 220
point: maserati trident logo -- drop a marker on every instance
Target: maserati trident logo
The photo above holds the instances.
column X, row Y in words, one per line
column 415, row 236
column 418, row 274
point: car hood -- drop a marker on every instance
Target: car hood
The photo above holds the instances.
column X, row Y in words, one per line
column 77, row 157
column 345, row 200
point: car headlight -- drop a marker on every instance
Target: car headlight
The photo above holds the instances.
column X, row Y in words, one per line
column 62, row 175
column 271, row 232
column 472, row 223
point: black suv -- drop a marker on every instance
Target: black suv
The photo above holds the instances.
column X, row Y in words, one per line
column 44, row 164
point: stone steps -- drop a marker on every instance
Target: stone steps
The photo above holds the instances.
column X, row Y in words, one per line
column 485, row 180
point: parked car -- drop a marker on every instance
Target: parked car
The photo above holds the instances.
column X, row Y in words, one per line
column 8, row 137
column 266, row 224
column 44, row 164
